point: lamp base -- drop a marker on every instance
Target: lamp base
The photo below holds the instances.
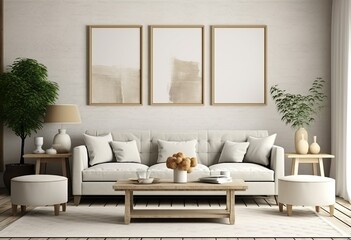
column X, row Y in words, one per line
column 38, row 150
column 62, row 142
column 38, row 142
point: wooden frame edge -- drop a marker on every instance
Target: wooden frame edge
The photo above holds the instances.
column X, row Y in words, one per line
column 89, row 70
column 151, row 93
column 212, row 70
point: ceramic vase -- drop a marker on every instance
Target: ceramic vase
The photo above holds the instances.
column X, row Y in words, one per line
column 298, row 136
column 314, row 147
column 302, row 146
column 51, row 151
column 180, row 176
column 62, row 142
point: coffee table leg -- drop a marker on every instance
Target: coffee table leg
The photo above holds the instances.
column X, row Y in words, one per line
column 127, row 203
column 231, row 206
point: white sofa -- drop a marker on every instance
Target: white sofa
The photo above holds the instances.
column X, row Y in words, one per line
column 98, row 179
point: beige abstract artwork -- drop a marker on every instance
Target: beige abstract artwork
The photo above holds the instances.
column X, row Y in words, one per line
column 176, row 67
column 115, row 57
column 186, row 82
column 115, row 85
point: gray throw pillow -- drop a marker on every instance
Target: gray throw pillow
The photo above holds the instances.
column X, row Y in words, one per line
column 126, row 151
column 233, row 152
column 259, row 150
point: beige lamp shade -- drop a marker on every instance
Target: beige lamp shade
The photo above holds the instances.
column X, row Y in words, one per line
column 62, row 113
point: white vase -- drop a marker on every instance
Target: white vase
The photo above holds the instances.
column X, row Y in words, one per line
column 38, row 142
column 298, row 136
column 51, row 151
column 302, row 146
column 314, row 147
column 180, row 176
column 62, row 142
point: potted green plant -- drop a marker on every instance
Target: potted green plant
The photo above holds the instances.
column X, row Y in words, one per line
column 298, row 110
column 25, row 93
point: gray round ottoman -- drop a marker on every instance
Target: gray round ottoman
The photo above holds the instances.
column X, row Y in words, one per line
column 306, row 190
column 39, row 190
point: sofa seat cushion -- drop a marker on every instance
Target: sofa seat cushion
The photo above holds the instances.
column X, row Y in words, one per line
column 112, row 171
column 245, row 171
column 160, row 170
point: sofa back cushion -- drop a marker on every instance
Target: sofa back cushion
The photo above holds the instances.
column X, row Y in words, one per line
column 209, row 142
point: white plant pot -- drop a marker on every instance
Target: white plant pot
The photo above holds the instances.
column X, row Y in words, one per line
column 180, row 176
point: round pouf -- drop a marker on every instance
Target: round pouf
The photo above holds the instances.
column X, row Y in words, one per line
column 306, row 190
column 39, row 190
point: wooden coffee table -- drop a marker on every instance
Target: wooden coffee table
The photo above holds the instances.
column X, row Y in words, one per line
column 129, row 187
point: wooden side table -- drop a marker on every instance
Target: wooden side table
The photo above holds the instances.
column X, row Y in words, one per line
column 45, row 158
column 315, row 159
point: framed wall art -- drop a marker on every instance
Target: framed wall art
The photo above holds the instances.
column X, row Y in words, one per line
column 115, row 64
column 238, row 65
column 176, row 64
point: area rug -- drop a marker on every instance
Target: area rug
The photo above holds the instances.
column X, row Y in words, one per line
column 108, row 222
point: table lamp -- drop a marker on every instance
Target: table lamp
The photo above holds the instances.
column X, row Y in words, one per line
column 64, row 114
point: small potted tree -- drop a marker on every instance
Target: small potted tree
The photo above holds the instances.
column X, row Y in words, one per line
column 298, row 110
column 25, row 93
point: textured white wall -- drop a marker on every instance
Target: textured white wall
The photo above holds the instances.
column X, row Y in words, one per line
column 54, row 32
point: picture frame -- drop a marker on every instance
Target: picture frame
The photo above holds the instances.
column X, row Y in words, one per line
column 238, row 65
column 115, row 64
column 176, row 64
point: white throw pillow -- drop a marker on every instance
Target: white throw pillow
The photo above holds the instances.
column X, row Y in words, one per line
column 99, row 148
column 126, row 151
column 168, row 148
column 233, row 152
column 259, row 150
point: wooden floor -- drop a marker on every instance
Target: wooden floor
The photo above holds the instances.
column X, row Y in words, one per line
column 342, row 215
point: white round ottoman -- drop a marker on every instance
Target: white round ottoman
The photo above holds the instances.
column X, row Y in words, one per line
column 39, row 190
column 306, row 190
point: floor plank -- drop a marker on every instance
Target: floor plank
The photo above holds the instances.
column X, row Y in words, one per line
column 343, row 202
column 77, row 238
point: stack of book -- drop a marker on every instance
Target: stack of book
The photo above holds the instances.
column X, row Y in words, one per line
column 216, row 179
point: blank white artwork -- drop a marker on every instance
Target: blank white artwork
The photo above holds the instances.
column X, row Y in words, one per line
column 238, row 65
column 168, row 45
